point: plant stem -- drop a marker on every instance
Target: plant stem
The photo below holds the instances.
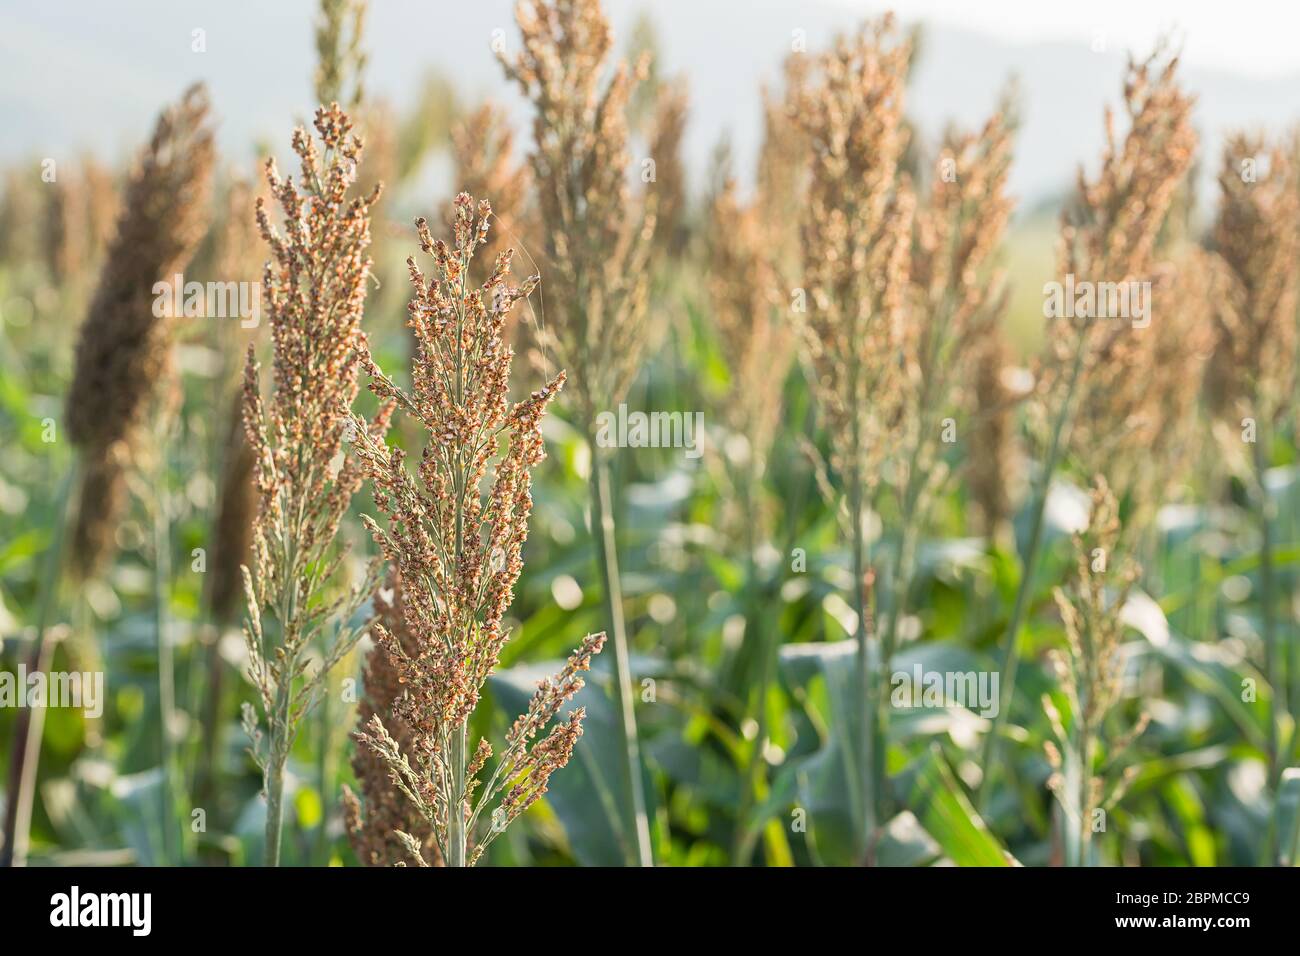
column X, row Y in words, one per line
column 166, row 675
column 751, row 781
column 324, row 771
column 1078, row 835
column 278, row 729
column 1010, row 660
column 30, row 724
column 208, row 766
column 1273, row 666
column 636, row 826
column 456, row 833
column 867, row 714
column 277, row 757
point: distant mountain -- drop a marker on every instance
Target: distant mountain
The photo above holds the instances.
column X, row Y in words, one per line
column 94, row 76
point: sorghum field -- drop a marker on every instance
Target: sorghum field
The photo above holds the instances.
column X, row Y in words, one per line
column 477, row 480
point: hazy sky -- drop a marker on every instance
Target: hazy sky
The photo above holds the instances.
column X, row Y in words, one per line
column 80, row 74
column 1255, row 38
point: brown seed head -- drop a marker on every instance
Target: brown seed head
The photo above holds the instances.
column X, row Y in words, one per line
column 456, row 529
column 856, row 238
column 597, row 235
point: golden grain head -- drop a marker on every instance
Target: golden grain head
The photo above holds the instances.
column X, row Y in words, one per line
column 857, row 239
column 599, row 238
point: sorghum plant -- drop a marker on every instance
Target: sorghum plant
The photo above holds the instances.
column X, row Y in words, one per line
column 1256, row 238
column 232, row 539
column 757, row 342
column 121, row 382
column 381, row 812
column 455, row 537
column 314, row 292
column 990, row 468
column 339, row 54
column 1108, row 235
column 1137, row 407
column 749, row 278
column 958, row 300
column 597, row 233
column 856, row 238
column 80, row 212
column 124, row 353
column 667, row 128
column 1088, row 775
column 65, row 234
column 236, row 257
column 483, row 151
column 752, row 248
column 597, row 251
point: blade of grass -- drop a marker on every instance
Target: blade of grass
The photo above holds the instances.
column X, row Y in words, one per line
column 635, row 823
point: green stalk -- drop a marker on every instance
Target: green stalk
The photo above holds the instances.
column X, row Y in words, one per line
column 1010, row 660
column 208, row 767
column 755, row 782
column 166, row 676
column 456, row 834
column 30, row 725
column 1078, row 835
column 635, row 824
column 752, row 783
column 456, row 830
column 278, row 730
column 867, row 714
column 277, row 757
column 904, row 560
column 325, row 766
column 1273, row 663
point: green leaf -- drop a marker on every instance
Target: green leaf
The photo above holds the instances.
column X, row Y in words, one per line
column 948, row 816
column 905, row 843
column 822, row 678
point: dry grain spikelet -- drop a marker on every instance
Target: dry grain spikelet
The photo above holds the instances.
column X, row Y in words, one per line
column 314, row 290
column 483, row 152
column 1109, row 235
column 668, row 128
column 1256, row 239
column 598, row 235
column 1091, row 668
column 123, row 357
column 1109, row 232
column 340, row 59
column 959, row 295
column 455, row 535
column 375, row 815
column 856, row 237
